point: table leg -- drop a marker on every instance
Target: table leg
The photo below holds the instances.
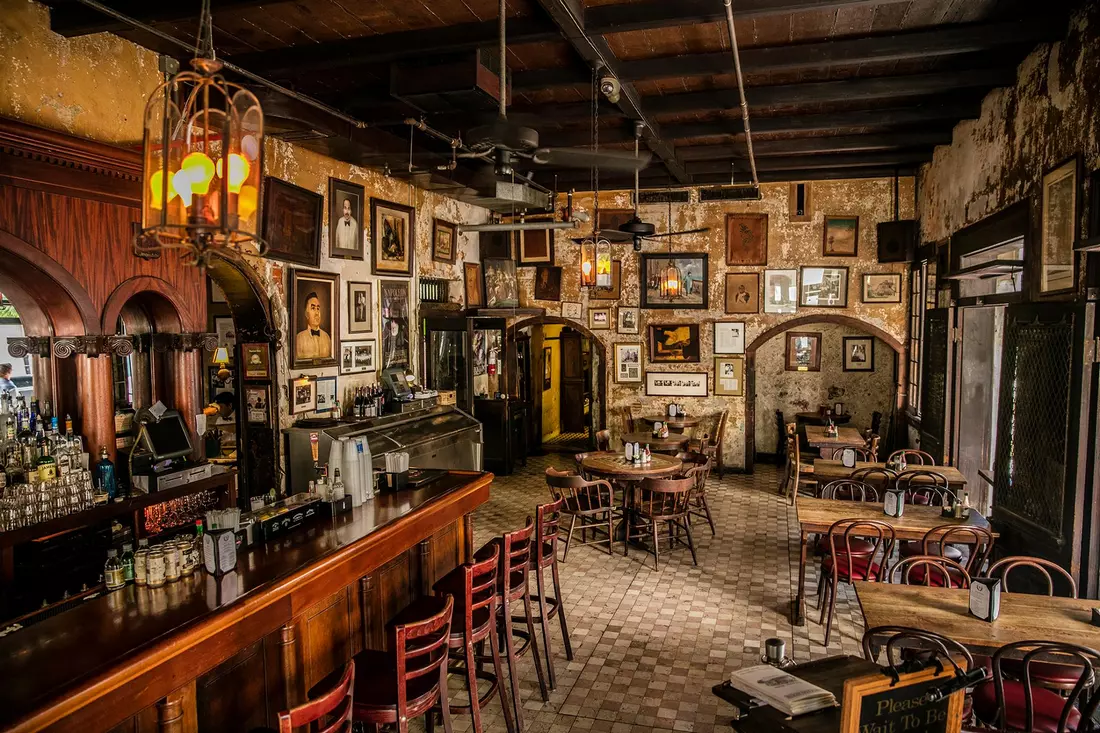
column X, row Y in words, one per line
column 799, row 605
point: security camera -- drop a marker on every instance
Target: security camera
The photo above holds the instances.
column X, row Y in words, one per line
column 609, row 87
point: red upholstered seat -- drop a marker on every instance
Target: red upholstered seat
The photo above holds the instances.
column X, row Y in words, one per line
column 1048, row 707
column 862, row 567
column 858, row 546
column 1042, row 673
column 918, row 575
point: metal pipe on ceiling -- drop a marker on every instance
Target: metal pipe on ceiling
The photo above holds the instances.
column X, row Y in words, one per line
column 741, row 89
column 525, row 226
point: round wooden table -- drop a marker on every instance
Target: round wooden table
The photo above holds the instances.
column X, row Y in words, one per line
column 814, row 418
column 613, row 465
column 679, row 422
column 674, row 443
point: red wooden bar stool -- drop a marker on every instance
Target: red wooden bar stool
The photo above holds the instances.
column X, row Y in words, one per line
column 547, row 519
column 332, row 709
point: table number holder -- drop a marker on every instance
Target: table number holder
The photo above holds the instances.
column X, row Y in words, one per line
column 219, row 550
column 893, row 504
column 848, row 458
column 985, row 598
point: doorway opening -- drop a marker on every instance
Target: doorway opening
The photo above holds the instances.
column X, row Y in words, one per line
column 21, row 374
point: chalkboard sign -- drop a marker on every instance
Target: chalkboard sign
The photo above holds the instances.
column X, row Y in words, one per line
column 876, row 704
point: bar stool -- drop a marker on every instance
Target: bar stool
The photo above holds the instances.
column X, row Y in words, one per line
column 547, row 519
column 334, row 704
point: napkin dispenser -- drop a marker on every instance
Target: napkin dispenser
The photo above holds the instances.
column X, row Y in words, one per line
column 985, row 598
column 893, row 505
column 219, row 550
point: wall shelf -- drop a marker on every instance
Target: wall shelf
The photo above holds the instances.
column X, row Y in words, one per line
column 993, row 268
column 1092, row 244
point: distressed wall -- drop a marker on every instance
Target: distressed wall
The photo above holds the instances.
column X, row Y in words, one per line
column 778, row 389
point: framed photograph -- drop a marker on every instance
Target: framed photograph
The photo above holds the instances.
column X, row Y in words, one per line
column 345, row 219
column 314, row 318
column 841, row 236
column 501, row 285
column 393, row 299
column 217, row 295
column 676, row 343
column 292, row 223
column 859, row 354
column 803, row 352
column 547, row 283
column 729, row 376
column 629, row 320
column 882, row 288
column 573, row 311
column 227, row 336
column 676, row 384
column 692, row 267
column 613, row 218
column 547, row 368
column 615, row 291
column 599, row 319
column 444, row 240
column 303, row 396
column 357, row 357
column 218, row 385
column 360, row 307
column 393, row 234
column 628, row 363
column 256, row 361
column 746, row 239
column 326, row 394
column 481, row 353
column 1059, row 232
column 824, row 287
column 742, row 292
column 729, row 337
column 471, row 272
column 256, row 402
column 536, row 247
column 780, row 291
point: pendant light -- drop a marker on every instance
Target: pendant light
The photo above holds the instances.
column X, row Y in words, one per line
column 672, row 282
column 595, row 250
column 202, row 161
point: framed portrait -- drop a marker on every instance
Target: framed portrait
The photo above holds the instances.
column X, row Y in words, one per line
column 729, row 376
column 676, row 384
column 393, row 234
column 292, row 223
column 444, row 240
column 1059, row 228
column 547, row 283
column 357, row 357
column 256, row 404
column 326, row 394
column 547, row 368
column 219, row 385
column 841, row 236
column 615, row 291
column 227, row 336
column 742, row 292
column 573, row 311
column 256, row 360
column 314, row 318
column 360, row 307
column 629, row 320
column 692, row 267
column 613, row 218
column 303, row 396
column 803, row 352
column 824, row 287
column 393, row 299
column 628, row 363
column 501, row 286
column 882, row 288
column 599, row 319
column 345, row 219
column 675, row 343
column 471, row 273
column 859, row 353
column 536, row 247
column 780, row 291
column 729, row 337
column 746, row 239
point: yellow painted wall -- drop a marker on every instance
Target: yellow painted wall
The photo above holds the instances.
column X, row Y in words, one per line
column 551, row 398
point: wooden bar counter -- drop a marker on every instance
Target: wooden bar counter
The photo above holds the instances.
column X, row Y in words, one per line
column 214, row 654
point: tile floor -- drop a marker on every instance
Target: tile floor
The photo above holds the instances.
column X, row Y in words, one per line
column 649, row 645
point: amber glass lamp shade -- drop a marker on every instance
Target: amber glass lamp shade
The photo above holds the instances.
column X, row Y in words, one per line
column 588, row 263
column 671, row 282
column 603, row 263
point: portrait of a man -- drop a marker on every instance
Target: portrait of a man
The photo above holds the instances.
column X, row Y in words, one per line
column 345, row 219
column 315, row 322
column 313, row 341
column 347, row 228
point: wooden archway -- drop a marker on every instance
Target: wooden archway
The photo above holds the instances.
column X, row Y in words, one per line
column 776, row 330
column 53, row 301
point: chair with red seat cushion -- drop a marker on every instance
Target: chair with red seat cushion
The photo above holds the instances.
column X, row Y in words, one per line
column 591, row 502
column 925, row 488
column 846, row 562
column 846, row 490
column 913, row 456
column 950, row 541
column 1019, row 705
column 929, row 570
column 331, row 704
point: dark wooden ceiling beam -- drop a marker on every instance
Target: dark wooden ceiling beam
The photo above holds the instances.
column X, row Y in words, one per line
column 660, row 180
column 70, row 18
column 810, row 162
column 663, row 13
column 816, row 145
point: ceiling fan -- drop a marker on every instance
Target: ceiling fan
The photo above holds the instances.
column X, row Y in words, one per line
column 636, row 230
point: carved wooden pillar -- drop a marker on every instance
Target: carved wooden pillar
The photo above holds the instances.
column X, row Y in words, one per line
column 468, row 536
column 183, row 371
column 288, row 656
column 95, row 395
column 177, row 713
column 366, row 595
column 427, row 576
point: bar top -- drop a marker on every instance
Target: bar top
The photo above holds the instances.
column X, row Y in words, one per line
column 44, row 663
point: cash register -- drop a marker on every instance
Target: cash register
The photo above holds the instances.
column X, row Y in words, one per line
column 160, row 458
column 403, row 394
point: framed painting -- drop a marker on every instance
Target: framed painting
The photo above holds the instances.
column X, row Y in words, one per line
column 841, row 236
column 501, row 286
column 691, row 277
column 572, row 311
column 803, row 352
column 676, row 343
column 444, row 240
column 729, row 376
column 292, row 223
column 345, row 219
column 471, row 272
column 676, row 384
column 547, row 283
column 859, row 353
column 314, row 316
column 1059, row 227
column 780, row 291
column 360, row 307
column 729, row 337
column 257, row 361
column 628, row 363
column 393, row 298
column 536, row 247
column 393, row 234
column 615, row 291
column 882, row 287
column 599, row 319
column 326, row 394
column 742, row 292
column 256, row 402
column 629, row 318
column 303, row 396
column 824, row 287
column 357, row 357
column 746, row 239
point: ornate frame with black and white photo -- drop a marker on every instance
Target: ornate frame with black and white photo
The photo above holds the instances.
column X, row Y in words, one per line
column 360, row 307
column 859, row 353
column 628, row 363
column 345, row 219
column 314, row 314
column 629, row 320
column 823, row 287
column 358, row 357
column 303, row 395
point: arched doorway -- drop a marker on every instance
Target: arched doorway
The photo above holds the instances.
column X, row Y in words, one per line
column 807, row 323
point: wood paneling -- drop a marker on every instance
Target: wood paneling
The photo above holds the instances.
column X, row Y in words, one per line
column 246, row 674
column 327, row 637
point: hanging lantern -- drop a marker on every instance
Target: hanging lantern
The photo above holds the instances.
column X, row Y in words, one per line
column 588, row 263
column 672, row 284
column 603, row 263
column 202, row 162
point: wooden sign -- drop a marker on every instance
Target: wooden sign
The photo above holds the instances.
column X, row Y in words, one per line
column 876, row 704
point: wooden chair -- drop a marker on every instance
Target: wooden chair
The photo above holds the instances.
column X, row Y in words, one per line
column 876, row 423
column 925, row 488
column 697, row 466
column 835, row 454
column 929, row 570
column 592, row 502
column 848, row 561
column 780, row 434
column 626, row 414
column 603, row 440
column 913, row 456
column 712, row 446
column 331, row 709
column 969, row 546
column 474, row 586
column 873, row 443
column 658, row 501
column 798, row 475
column 547, row 521
column 881, row 478
column 849, row 490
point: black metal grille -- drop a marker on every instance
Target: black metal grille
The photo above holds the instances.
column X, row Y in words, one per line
column 1030, row 464
column 934, row 383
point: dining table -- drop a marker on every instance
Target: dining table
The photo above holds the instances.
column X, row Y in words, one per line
column 826, row 471
column 680, row 422
column 816, row 418
column 674, row 443
column 613, row 466
column 844, row 438
column 816, row 516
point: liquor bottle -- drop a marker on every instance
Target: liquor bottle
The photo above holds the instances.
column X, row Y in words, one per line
column 337, row 485
column 336, row 413
column 45, row 465
column 9, row 429
column 113, row 573
column 13, row 468
column 105, row 480
column 127, row 561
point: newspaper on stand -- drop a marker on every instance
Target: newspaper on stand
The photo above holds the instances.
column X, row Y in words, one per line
column 786, row 693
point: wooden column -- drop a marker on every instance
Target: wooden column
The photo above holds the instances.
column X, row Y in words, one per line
column 427, row 576
column 95, row 397
column 288, row 656
column 468, row 536
column 184, row 373
column 177, row 713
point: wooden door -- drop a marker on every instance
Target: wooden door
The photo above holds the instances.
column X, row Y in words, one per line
column 573, row 383
column 936, row 382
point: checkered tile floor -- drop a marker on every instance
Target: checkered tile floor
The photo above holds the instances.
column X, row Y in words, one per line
column 649, row 645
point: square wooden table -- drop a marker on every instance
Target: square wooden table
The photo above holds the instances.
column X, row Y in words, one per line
column 944, row 611
column 845, row 438
column 829, row 470
column 815, row 516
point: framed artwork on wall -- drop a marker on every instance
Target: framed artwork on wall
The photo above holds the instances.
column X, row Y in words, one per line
column 393, row 298
column 628, row 363
column 292, row 223
column 676, row 384
column 692, row 268
column 746, row 239
column 882, row 287
column 742, row 292
column 729, row 376
column 393, row 236
column 303, row 396
column 629, row 320
column 536, row 247
column 803, row 352
column 1059, row 229
column 841, row 236
column 501, row 286
column 547, row 368
column 444, row 240
column 599, row 319
column 859, row 353
column 471, row 273
column 227, row 336
column 345, row 219
column 257, row 361
column 314, row 313
column 729, row 337
column 357, row 357
column 615, row 291
column 256, row 402
column 547, row 283
column 360, row 307
column 676, row 343
column 780, row 291
column 326, row 394
column 824, row 287
column 572, row 311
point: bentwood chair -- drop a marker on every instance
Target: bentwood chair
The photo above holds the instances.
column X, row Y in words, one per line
column 711, row 445
column 926, row 488
column 929, row 570
column 913, row 457
column 881, row 478
column 656, row 502
column 330, row 709
column 547, row 521
column 603, row 440
column 591, row 502
column 848, row 561
column 697, row 466
column 835, row 454
column 797, row 476
column 1006, row 565
column 872, row 447
column 969, row 546
column 849, row 490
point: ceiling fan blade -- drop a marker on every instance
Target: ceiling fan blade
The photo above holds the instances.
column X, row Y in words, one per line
column 676, row 234
column 620, row 160
column 614, row 235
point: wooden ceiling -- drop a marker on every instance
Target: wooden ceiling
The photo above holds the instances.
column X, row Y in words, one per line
column 835, row 88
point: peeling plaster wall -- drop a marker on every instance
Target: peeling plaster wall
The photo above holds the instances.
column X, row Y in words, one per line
column 778, row 389
column 790, row 245
column 1052, row 113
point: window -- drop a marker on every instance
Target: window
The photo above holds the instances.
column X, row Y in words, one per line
column 917, row 307
column 997, row 270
